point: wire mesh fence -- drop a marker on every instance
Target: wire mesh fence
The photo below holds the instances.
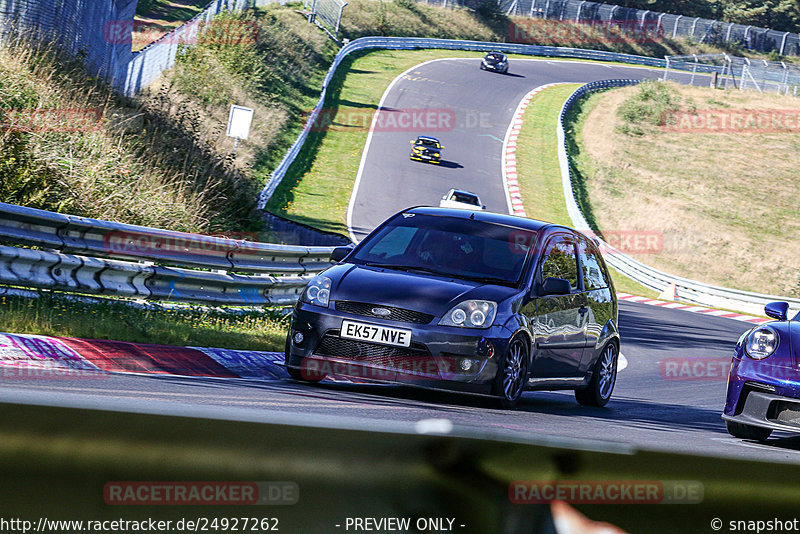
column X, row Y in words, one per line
column 326, row 12
column 739, row 72
column 702, row 30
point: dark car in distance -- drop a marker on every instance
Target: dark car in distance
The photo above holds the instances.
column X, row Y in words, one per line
column 427, row 149
column 764, row 381
column 461, row 300
column 495, row 61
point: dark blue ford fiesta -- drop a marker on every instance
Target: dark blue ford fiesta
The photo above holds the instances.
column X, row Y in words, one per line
column 468, row 301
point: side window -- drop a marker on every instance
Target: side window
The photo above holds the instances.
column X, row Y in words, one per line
column 560, row 261
column 593, row 276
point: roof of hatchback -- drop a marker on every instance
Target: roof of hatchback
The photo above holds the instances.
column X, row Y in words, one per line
column 487, row 216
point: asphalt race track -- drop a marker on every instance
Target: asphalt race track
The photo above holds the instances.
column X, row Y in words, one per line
column 650, row 408
column 669, row 397
column 476, row 108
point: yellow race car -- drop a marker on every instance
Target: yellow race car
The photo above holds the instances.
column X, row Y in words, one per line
column 427, row 149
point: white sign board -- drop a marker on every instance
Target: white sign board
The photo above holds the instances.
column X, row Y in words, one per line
column 239, row 122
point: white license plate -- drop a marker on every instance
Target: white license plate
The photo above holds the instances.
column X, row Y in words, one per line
column 426, row 157
column 398, row 337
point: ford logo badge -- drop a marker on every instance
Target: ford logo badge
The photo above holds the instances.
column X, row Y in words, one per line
column 381, row 312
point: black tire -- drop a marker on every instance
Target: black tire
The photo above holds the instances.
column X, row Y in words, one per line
column 604, row 377
column 742, row 431
column 512, row 373
column 299, row 374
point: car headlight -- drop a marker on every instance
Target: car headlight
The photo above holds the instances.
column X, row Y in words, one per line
column 761, row 343
column 471, row 314
column 318, row 291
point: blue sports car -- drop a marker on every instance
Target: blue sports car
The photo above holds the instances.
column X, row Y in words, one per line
column 764, row 382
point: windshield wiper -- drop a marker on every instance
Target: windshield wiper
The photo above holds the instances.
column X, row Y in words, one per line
column 487, row 279
column 403, row 267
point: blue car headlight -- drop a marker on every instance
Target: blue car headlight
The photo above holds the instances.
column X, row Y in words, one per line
column 471, row 314
column 317, row 292
column 761, row 343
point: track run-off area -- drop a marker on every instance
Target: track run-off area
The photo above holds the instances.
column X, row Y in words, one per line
column 669, row 397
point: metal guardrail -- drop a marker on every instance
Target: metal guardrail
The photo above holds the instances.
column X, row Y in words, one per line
column 81, row 235
column 82, row 274
column 89, row 256
column 690, row 290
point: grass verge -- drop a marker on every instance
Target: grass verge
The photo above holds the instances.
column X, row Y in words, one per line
column 52, row 315
column 721, row 203
column 539, row 174
column 317, row 188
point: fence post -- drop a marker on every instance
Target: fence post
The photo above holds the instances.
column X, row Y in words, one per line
column 675, row 29
column 728, row 35
column 578, row 16
column 339, row 19
column 783, row 42
column 693, row 26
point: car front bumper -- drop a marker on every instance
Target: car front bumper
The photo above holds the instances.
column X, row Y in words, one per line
column 764, row 409
column 429, row 159
column 433, row 360
column 764, row 393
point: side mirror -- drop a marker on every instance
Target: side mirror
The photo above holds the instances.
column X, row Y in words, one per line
column 340, row 253
column 412, row 141
column 556, row 286
column 441, row 147
column 777, row 310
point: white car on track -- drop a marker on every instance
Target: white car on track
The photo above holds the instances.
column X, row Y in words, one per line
column 460, row 199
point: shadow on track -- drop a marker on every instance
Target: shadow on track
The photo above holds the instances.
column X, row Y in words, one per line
column 450, row 165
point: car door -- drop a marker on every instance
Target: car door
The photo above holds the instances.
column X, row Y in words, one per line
column 599, row 299
column 559, row 322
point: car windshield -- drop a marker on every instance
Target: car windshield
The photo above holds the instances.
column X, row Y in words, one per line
column 466, row 199
column 449, row 246
column 496, row 57
column 427, row 142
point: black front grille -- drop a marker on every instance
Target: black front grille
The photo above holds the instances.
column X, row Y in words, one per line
column 372, row 354
column 396, row 314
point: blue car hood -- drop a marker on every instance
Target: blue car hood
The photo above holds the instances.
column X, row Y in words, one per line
column 425, row 293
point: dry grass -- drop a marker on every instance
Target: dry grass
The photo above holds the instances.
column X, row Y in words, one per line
column 726, row 204
column 106, row 166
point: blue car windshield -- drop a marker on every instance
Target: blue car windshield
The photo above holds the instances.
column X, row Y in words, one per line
column 449, row 246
